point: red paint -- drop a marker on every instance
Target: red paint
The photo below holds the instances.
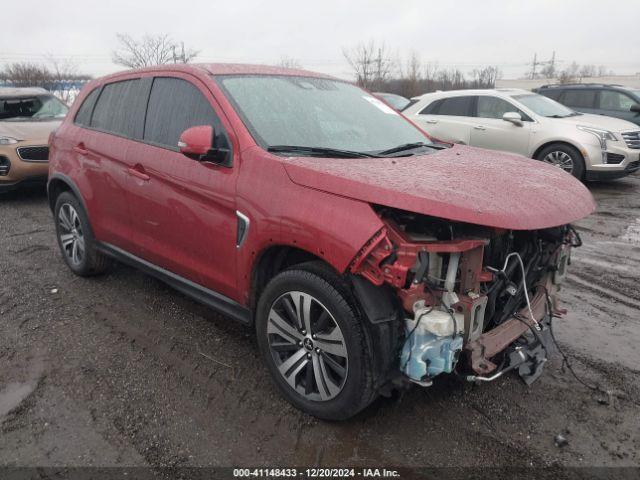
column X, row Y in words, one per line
column 196, row 141
column 462, row 183
column 180, row 214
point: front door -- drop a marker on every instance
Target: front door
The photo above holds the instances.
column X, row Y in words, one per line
column 491, row 131
column 183, row 210
column 617, row 104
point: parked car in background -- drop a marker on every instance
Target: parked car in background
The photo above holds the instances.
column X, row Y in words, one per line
column 590, row 147
column 396, row 101
column 359, row 270
column 27, row 117
column 602, row 99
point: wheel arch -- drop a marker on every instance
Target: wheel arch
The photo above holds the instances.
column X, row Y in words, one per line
column 59, row 183
column 556, row 142
column 273, row 260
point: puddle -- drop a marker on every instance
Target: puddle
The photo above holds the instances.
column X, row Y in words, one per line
column 13, row 395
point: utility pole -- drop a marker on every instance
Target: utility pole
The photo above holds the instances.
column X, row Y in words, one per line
column 534, row 64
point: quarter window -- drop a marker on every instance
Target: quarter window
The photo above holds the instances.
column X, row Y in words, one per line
column 174, row 106
column 579, row 98
column 432, row 108
column 612, row 100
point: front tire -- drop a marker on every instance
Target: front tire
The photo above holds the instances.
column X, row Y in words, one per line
column 565, row 157
column 75, row 237
column 313, row 342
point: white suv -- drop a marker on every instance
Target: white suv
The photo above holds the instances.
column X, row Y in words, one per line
column 590, row 147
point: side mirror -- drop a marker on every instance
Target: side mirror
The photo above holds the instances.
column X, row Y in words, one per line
column 513, row 117
column 635, row 108
column 197, row 143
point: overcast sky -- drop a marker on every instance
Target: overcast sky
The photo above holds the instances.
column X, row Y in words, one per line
column 465, row 34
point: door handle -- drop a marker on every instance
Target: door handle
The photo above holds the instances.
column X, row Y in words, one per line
column 80, row 149
column 480, row 127
column 136, row 172
column 431, row 121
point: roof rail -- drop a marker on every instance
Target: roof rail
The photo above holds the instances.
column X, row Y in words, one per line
column 557, row 85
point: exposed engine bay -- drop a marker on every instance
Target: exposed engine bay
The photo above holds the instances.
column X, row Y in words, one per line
column 475, row 300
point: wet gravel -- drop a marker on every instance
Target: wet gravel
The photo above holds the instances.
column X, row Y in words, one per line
column 122, row 370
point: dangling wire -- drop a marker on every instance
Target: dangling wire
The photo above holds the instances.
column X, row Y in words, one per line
column 524, row 282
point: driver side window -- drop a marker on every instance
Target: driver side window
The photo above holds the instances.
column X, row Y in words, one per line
column 494, row 107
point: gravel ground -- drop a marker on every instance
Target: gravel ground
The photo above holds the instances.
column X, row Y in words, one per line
column 122, row 370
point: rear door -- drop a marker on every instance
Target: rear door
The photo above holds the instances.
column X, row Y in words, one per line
column 101, row 149
column 449, row 119
column 183, row 210
column 614, row 103
column 491, row 131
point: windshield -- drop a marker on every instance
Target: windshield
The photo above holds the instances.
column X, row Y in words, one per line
column 31, row 107
column 544, row 106
column 317, row 113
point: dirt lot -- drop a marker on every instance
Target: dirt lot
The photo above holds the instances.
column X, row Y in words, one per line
column 122, row 370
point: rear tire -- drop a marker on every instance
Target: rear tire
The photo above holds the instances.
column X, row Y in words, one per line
column 334, row 382
column 75, row 237
column 563, row 156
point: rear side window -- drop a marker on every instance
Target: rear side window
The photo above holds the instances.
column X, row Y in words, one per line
column 579, row 98
column 118, row 109
column 456, row 106
column 83, row 117
column 174, row 106
column 553, row 94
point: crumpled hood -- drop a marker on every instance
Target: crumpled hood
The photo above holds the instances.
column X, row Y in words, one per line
column 29, row 130
column 461, row 183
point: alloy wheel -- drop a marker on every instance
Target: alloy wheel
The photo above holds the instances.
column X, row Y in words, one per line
column 560, row 159
column 307, row 346
column 71, row 234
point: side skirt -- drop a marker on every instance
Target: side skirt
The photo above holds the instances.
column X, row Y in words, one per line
column 212, row 299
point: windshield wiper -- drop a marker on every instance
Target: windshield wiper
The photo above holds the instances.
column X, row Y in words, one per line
column 319, row 151
column 404, row 147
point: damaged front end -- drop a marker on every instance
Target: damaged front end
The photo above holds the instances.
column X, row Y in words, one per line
column 475, row 300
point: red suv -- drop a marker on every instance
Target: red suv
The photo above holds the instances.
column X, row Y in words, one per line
column 366, row 255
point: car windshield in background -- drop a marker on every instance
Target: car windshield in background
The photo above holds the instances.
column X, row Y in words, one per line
column 317, row 113
column 37, row 107
column 544, row 106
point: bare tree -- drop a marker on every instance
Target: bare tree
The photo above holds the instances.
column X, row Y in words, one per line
column 150, row 50
column 289, row 62
column 59, row 76
column 25, row 74
column 485, row 77
column 587, row 71
column 570, row 74
column 413, row 75
column 372, row 64
column 65, row 80
column 548, row 71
